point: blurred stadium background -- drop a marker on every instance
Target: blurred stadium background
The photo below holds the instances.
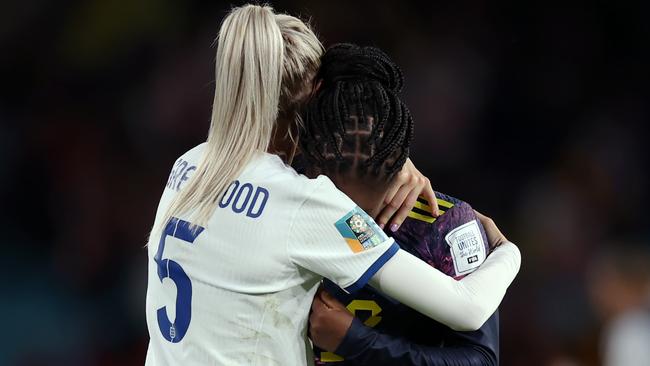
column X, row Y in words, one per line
column 535, row 112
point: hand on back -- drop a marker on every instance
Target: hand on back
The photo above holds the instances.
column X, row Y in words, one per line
column 494, row 235
column 407, row 185
column 329, row 321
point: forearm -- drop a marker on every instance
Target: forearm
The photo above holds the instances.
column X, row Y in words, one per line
column 366, row 346
column 462, row 305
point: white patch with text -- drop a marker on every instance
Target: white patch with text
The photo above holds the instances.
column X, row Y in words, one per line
column 467, row 247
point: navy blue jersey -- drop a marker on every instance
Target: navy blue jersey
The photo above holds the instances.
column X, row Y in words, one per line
column 387, row 332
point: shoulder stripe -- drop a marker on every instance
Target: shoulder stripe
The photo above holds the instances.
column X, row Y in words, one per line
column 425, row 212
column 422, row 211
column 417, row 216
column 444, row 203
column 424, row 204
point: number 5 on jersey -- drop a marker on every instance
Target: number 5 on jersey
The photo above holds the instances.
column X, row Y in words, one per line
column 167, row 268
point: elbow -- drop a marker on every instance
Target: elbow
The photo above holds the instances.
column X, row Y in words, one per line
column 516, row 256
column 473, row 319
column 467, row 326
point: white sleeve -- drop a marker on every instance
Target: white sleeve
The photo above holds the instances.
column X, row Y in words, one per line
column 331, row 236
column 462, row 305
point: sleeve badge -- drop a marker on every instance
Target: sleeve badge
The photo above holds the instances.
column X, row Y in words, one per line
column 360, row 231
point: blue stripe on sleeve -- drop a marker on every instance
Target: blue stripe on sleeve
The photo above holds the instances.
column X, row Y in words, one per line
column 365, row 277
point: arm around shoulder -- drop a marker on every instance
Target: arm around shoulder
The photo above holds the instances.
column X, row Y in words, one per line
column 461, row 305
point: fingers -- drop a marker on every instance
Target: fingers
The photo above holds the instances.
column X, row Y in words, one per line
column 485, row 221
column 386, row 214
column 404, row 210
column 494, row 235
column 318, row 307
column 402, row 196
column 479, row 215
column 426, row 190
column 399, row 202
column 430, row 196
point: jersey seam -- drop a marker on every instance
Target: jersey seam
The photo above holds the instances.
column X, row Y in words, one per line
column 310, row 195
column 263, row 319
column 293, row 216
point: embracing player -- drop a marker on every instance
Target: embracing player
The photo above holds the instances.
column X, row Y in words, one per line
column 353, row 124
column 241, row 242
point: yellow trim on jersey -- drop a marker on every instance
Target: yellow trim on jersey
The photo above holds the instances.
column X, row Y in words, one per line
column 422, row 206
column 330, row 357
column 417, row 216
column 444, row 203
column 427, row 207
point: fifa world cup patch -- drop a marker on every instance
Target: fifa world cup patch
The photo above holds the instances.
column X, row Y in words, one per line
column 467, row 247
column 360, row 231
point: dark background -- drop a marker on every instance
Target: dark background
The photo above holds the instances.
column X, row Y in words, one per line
column 534, row 112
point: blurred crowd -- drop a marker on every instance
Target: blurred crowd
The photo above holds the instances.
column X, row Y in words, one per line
column 536, row 113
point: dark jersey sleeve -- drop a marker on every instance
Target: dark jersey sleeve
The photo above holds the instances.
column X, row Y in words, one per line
column 363, row 345
column 486, row 338
column 394, row 334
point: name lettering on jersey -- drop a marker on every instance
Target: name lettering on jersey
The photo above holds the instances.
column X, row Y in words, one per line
column 360, row 231
column 245, row 198
column 179, row 174
column 467, row 247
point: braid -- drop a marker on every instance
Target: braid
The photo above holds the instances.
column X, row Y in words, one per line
column 356, row 121
column 383, row 114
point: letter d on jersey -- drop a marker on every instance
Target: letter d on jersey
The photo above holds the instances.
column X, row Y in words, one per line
column 264, row 197
column 238, row 197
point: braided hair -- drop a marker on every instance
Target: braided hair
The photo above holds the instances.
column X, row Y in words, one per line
column 356, row 122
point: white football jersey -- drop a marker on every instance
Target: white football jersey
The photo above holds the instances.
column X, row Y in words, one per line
column 239, row 291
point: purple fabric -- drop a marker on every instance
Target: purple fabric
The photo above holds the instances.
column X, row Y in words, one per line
column 427, row 240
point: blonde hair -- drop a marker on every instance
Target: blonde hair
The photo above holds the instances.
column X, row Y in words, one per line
column 264, row 64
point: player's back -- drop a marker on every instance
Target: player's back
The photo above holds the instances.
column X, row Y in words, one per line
column 238, row 292
column 235, row 309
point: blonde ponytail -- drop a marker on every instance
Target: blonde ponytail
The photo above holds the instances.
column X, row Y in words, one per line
column 252, row 76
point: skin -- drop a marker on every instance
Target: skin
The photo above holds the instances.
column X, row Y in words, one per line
column 397, row 197
column 383, row 199
column 387, row 201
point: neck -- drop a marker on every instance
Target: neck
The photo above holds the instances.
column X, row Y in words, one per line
column 368, row 193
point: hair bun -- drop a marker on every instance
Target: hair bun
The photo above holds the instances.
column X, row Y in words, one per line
column 348, row 61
